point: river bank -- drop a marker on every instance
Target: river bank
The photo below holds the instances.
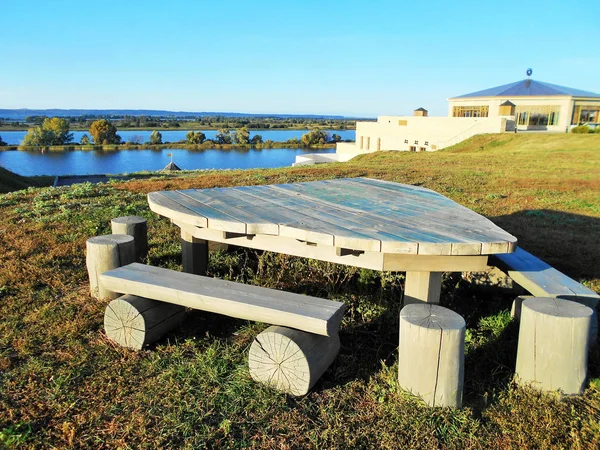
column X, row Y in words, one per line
column 171, row 145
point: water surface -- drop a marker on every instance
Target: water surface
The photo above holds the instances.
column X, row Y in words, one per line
column 80, row 162
column 16, row 137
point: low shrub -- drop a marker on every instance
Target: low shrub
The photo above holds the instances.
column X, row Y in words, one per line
column 582, row 129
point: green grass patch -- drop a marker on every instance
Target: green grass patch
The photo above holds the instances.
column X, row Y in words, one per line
column 64, row 385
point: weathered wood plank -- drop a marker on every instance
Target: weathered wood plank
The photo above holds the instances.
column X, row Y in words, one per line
column 163, row 205
column 216, row 219
column 429, row 226
column 541, row 279
column 215, row 198
column 311, row 314
column 359, row 214
column 307, row 217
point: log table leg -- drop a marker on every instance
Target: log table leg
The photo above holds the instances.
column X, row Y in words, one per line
column 194, row 254
column 422, row 287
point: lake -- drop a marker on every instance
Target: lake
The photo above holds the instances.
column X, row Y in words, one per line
column 15, row 137
column 80, row 162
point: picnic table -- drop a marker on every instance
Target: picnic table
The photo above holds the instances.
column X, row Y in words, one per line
column 359, row 222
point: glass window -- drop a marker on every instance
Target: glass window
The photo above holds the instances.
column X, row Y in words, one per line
column 537, row 116
column 589, row 114
column 470, row 111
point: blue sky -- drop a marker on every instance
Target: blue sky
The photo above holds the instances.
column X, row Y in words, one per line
column 358, row 58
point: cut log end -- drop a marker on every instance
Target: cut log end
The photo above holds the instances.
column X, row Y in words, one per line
column 133, row 322
column 289, row 360
column 124, row 324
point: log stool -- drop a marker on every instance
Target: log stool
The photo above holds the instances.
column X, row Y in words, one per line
column 291, row 360
column 105, row 253
column 553, row 346
column 133, row 321
column 518, row 302
column 431, row 354
column 133, row 226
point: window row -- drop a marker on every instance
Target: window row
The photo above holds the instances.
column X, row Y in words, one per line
column 470, row 111
column 586, row 114
column 537, row 115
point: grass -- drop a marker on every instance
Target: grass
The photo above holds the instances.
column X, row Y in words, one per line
column 10, row 181
column 63, row 384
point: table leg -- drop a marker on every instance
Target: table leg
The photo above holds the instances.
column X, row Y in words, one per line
column 422, row 287
column 194, row 254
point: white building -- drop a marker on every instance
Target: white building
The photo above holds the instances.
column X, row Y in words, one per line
column 525, row 104
column 533, row 104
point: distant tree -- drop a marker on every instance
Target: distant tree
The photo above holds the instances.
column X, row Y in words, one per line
column 224, row 136
column 242, row 136
column 104, row 132
column 155, row 137
column 36, row 120
column 336, row 138
column 256, row 139
column 136, row 139
column 314, row 137
column 53, row 131
column 195, row 138
column 85, row 140
column 2, row 143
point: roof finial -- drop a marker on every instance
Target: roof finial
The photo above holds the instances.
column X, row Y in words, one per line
column 529, row 72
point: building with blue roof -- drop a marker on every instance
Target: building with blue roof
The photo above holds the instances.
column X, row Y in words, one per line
column 520, row 106
column 532, row 104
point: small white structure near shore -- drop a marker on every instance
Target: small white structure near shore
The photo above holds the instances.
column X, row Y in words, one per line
column 525, row 105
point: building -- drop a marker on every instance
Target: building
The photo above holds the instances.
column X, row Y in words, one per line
column 525, row 105
column 535, row 105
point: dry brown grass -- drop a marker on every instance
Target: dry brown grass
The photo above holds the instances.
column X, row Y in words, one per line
column 64, row 385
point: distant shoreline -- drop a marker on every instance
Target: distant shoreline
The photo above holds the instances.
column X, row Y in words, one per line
column 170, row 145
column 187, row 127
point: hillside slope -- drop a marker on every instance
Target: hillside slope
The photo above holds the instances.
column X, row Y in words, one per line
column 10, row 181
column 63, row 384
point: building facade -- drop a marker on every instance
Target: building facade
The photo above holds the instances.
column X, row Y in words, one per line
column 534, row 105
column 522, row 105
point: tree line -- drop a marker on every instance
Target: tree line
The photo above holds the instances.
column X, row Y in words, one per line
column 56, row 131
column 216, row 122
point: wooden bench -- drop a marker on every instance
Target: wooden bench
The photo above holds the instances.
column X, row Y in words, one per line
column 541, row 279
column 290, row 356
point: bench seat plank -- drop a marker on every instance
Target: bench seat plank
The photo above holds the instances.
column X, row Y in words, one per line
column 311, row 314
column 539, row 278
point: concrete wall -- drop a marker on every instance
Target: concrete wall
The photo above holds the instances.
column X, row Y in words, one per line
column 310, row 159
column 421, row 133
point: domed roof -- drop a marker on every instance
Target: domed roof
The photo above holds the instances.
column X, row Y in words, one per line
column 529, row 88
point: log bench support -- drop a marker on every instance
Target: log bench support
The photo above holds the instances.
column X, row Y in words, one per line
column 553, row 344
column 133, row 321
column 286, row 358
column 289, row 360
column 431, row 354
column 541, row 279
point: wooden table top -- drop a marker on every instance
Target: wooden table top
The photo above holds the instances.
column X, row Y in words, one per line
column 353, row 213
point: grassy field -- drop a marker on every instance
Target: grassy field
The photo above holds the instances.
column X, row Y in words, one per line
column 64, row 385
column 10, row 181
